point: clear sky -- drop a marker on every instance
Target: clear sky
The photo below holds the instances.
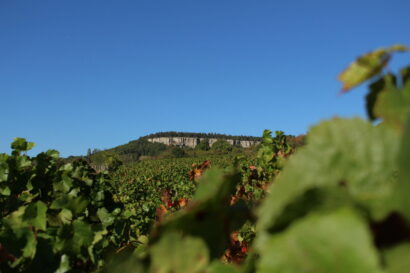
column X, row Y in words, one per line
column 78, row 74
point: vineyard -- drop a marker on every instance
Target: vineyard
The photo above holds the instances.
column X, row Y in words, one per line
column 340, row 203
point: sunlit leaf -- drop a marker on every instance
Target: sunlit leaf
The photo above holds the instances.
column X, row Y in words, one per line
column 367, row 66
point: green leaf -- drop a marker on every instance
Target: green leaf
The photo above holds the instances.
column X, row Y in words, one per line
column 267, row 137
column 19, row 240
column 36, row 215
column 266, row 153
column 75, row 239
column 375, row 89
column 65, row 216
column 29, row 250
column 105, row 217
column 5, row 190
column 98, row 236
column 367, row 66
column 64, row 264
column 33, row 215
column 350, row 155
column 27, row 197
column 83, row 234
column 174, row 253
column 21, row 145
column 397, row 258
column 125, row 264
column 22, row 162
column 393, row 105
column 405, row 74
column 321, row 199
column 335, row 242
column 218, row 267
column 64, row 185
column 53, row 154
column 4, row 168
column 76, row 204
column 215, row 185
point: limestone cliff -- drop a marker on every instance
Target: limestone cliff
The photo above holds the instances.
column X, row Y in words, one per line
column 193, row 141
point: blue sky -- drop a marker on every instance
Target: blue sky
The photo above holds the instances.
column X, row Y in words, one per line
column 96, row 74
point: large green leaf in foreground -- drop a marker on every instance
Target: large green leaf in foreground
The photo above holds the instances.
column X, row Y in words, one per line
column 338, row 242
column 175, row 253
column 351, row 155
column 403, row 192
column 397, row 258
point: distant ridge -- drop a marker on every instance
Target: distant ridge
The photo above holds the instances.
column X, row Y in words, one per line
column 163, row 143
column 158, row 143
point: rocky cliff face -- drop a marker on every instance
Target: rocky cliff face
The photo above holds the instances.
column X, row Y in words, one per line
column 193, row 141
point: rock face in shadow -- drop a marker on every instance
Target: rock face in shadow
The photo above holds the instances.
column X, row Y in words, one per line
column 193, row 141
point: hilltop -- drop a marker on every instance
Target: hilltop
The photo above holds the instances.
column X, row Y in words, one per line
column 177, row 144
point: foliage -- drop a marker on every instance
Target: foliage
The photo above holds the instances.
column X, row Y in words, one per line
column 203, row 145
column 126, row 153
column 177, row 152
column 272, row 154
column 221, row 146
column 104, row 160
column 141, row 147
column 56, row 217
column 295, row 141
column 141, row 186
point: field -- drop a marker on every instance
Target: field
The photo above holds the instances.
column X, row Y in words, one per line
column 142, row 186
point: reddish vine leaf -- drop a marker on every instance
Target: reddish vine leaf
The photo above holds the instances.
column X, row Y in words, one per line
column 237, row 251
column 182, row 202
column 160, row 213
column 197, row 170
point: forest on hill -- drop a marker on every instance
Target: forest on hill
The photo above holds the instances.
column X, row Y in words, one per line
column 201, row 135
